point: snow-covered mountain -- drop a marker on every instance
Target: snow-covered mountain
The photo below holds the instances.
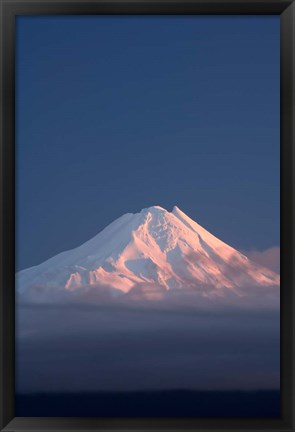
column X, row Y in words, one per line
column 148, row 255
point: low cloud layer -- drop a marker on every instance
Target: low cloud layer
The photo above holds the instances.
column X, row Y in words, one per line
column 90, row 348
column 269, row 258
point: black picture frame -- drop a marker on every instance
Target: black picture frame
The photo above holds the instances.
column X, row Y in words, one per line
column 9, row 10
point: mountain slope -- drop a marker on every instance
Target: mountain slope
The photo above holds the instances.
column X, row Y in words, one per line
column 146, row 255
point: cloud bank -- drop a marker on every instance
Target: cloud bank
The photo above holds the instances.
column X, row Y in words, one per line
column 90, row 348
column 269, row 258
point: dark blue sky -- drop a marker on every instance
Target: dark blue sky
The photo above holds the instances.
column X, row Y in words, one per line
column 119, row 113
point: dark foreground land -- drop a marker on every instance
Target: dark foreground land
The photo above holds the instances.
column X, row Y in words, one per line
column 151, row 404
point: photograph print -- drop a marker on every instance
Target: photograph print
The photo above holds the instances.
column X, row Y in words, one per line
column 148, row 216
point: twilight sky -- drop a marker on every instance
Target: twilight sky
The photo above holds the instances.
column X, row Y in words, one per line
column 115, row 114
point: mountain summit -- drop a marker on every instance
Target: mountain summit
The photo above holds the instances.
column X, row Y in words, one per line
column 148, row 255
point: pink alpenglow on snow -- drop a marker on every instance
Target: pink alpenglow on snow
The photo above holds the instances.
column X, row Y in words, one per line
column 154, row 255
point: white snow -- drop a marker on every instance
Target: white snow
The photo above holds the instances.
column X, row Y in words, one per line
column 151, row 248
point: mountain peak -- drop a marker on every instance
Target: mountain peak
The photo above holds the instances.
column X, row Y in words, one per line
column 153, row 209
column 167, row 251
column 159, row 209
column 176, row 210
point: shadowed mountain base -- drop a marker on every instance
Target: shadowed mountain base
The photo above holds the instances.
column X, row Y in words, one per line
column 152, row 404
